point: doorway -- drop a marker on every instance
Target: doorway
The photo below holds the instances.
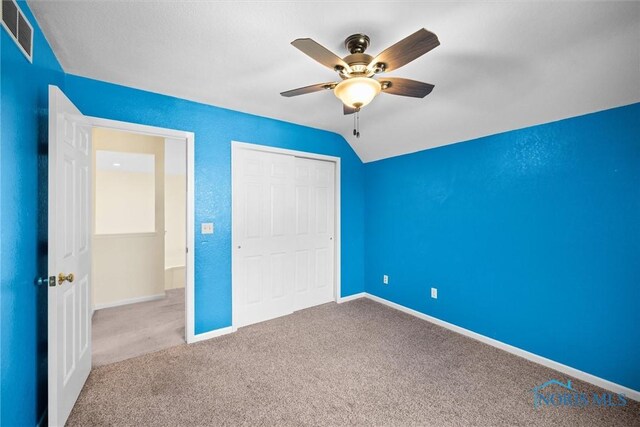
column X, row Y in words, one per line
column 178, row 137
column 138, row 242
column 286, row 240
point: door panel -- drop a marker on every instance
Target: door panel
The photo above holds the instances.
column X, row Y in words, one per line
column 302, row 210
column 254, row 278
column 68, row 334
column 321, row 210
column 83, row 200
column 253, row 210
column 69, row 310
column 263, row 258
column 278, row 205
column 278, row 275
column 322, row 267
column 68, row 201
column 85, row 321
column 315, row 218
column 302, row 271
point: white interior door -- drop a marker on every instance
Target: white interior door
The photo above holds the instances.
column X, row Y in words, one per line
column 69, row 255
column 314, row 232
column 263, row 236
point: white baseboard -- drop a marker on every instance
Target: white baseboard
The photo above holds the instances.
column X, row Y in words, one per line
column 351, row 297
column 212, row 334
column 581, row 375
column 129, row 301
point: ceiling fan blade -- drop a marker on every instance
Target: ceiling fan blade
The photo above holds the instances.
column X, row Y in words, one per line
column 348, row 110
column 320, row 53
column 406, row 50
column 309, row 89
column 406, row 87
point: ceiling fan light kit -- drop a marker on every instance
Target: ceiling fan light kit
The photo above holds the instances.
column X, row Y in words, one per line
column 357, row 70
column 357, row 92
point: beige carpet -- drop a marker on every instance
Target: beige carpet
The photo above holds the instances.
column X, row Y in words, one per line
column 127, row 331
column 359, row 363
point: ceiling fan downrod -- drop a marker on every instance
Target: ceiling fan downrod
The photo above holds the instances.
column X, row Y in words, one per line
column 357, row 43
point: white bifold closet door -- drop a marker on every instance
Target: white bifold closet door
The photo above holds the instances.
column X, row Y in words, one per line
column 263, row 265
column 283, row 219
column 314, row 230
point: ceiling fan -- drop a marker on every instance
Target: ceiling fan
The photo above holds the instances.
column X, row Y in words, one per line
column 357, row 70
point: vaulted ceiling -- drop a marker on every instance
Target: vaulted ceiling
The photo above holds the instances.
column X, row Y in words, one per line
column 500, row 65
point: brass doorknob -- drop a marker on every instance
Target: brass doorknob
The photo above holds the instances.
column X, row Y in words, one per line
column 62, row 278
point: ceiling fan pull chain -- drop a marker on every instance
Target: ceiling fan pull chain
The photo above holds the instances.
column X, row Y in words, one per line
column 354, row 124
column 358, row 123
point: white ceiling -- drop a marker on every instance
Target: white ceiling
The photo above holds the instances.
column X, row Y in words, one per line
column 125, row 162
column 500, row 65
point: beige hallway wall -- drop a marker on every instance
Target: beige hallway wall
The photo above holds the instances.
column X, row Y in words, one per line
column 129, row 266
column 130, row 211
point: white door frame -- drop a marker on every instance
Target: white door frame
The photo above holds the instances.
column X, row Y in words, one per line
column 237, row 145
column 189, row 137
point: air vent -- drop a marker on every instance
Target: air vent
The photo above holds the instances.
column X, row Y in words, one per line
column 10, row 17
column 16, row 24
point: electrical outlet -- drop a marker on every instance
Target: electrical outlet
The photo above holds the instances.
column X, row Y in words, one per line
column 206, row 228
column 385, row 279
column 434, row 293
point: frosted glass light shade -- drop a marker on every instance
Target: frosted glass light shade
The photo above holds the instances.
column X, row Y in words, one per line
column 357, row 92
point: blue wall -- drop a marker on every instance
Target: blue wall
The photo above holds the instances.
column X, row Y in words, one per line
column 23, row 223
column 23, row 198
column 532, row 237
column 214, row 130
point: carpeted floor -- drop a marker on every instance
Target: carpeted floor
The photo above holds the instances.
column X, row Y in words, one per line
column 358, row 363
column 131, row 330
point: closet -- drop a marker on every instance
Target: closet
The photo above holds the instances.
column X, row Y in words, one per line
column 283, row 234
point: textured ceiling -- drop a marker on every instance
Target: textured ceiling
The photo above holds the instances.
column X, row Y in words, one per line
column 500, row 65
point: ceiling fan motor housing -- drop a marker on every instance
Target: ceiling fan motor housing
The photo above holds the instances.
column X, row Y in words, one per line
column 359, row 62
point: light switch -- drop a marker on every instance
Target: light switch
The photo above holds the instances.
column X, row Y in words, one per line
column 207, row 228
